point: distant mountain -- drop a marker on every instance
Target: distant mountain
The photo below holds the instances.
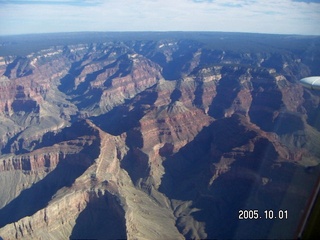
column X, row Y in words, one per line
column 156, row 135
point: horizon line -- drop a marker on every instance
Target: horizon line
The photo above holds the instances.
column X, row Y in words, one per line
column 157, row 31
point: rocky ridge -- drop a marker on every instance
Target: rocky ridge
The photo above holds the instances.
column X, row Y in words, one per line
column 153, row 139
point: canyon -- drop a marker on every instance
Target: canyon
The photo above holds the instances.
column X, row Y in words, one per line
column 156, row 135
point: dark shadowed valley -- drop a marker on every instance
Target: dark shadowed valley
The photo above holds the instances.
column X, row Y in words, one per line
column 157, row 135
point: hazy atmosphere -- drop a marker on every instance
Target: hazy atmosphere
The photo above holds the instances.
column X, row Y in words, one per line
column 158, row 119
column 266, row 16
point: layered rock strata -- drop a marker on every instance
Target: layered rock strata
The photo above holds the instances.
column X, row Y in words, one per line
column 155, row 139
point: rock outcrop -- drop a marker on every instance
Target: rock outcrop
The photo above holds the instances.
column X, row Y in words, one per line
column 157, row 139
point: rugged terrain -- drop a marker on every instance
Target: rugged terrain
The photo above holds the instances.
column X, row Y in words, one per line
column 156, row 136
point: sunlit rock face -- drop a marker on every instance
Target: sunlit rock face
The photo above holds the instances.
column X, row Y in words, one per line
column 156, row 136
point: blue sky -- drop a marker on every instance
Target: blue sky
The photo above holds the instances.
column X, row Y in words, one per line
column 263, row 16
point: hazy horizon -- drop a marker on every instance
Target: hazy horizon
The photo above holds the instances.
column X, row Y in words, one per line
column 300, row 17
column 150, row 31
